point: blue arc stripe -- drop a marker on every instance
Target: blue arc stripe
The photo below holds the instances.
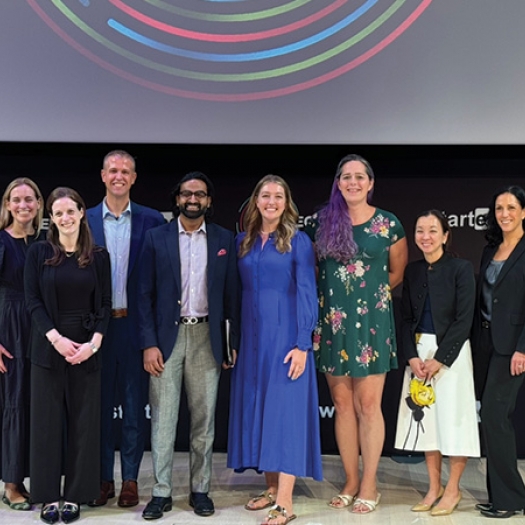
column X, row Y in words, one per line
column 243, row 57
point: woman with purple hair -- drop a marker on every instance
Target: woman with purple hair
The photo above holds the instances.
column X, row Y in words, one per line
column 362, row 253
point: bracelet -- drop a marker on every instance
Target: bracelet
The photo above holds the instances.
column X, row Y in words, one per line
column 53, row 343
column 93, row 347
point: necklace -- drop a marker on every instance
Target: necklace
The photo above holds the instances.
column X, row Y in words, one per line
column 70, row 254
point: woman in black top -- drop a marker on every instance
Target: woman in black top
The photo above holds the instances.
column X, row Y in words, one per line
column 499, row 337
column 68, row 294
column 20, row 222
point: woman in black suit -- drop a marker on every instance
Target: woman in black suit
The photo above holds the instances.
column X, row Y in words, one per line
column 68, row 295
column 499, row 335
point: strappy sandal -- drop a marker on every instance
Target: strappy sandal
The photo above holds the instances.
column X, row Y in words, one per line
column 369, row 504
column 345, row 499
column 263, row 495
column 278, row 512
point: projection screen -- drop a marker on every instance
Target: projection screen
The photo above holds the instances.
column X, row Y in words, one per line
column 263, row 71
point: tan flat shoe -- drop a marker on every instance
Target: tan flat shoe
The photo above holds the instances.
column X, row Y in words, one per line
column 425, row 507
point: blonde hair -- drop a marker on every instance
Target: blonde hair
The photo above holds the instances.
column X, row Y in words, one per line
column 6, row 219
column 287, row 226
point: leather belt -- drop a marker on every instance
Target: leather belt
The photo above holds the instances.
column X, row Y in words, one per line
column 119, row 312
column 193, row 320
column 485, row 324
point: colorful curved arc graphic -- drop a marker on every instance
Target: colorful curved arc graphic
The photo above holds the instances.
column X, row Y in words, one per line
column 235, row 78
column 240, row 77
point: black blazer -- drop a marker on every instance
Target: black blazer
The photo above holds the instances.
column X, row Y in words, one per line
column 41, row 302
column 160, row 288
column 508, row 301
column 451, row 286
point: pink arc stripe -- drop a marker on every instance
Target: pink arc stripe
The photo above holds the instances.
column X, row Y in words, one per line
column 208, row 37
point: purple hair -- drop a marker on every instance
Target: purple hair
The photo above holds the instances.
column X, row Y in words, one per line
column 335, row 235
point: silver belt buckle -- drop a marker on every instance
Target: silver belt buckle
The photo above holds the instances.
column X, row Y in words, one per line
column 190, row 320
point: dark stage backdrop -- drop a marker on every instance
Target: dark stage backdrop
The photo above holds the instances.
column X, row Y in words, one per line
column 459, row 180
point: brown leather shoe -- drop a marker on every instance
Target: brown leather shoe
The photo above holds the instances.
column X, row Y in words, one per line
column 129, row 495
column 107, row 491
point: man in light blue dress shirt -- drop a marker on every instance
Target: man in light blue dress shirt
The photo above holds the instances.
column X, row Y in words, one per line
column 120, row 225
column 188, row 287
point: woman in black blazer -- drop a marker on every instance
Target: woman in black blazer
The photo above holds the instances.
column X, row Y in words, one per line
column 499, row 337
column 437, row 412
column 68, row 294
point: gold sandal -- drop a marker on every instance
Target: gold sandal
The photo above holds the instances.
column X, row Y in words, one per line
column 277, row 512
column 263, row 495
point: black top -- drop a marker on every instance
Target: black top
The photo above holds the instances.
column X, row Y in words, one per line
column 40, row 282
column 75, row 286
column 12, row 258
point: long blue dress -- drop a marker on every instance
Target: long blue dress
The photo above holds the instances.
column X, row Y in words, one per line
column 274, row 421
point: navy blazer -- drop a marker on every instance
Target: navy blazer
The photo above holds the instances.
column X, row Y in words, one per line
column 508, row 301
column 451, row 287
column 142, row 219
column 41, row 302
column 160, row 288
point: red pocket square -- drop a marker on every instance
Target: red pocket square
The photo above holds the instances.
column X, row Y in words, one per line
column 221, row 252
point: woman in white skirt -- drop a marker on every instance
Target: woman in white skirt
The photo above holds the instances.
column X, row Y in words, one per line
column 437, row 412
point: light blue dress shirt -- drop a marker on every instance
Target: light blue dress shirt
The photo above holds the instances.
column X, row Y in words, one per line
column 117, row 231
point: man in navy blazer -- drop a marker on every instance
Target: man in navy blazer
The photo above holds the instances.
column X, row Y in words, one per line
column 188, row 287
column 120, row 226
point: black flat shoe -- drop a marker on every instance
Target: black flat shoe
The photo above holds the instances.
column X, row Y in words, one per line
column 494, row 513
column 49, row 513
column 19, row 505
column 483, row 506
column 70, row 512
column 202, row 504
column 156, row 508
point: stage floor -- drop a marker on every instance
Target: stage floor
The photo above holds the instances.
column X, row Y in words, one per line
column 401, row 485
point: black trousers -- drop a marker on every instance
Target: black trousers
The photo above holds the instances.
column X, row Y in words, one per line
column 65, row 433
column 505, row 486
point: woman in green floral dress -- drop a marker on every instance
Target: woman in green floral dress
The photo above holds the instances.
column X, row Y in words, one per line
column 362, row 253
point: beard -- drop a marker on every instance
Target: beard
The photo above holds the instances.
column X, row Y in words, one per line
column 192, row 214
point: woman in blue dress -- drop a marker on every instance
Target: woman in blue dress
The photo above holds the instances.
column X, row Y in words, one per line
column 20, row 223
column 274, row 415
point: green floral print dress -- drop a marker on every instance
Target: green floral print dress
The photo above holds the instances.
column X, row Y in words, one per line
column 355, row 335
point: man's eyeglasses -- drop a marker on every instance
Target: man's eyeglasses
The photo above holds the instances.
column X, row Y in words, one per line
column 187, row 194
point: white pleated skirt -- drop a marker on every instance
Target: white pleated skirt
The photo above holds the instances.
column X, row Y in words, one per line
column 450, row 425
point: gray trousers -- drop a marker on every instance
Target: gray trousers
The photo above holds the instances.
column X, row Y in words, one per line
column 192, row 360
